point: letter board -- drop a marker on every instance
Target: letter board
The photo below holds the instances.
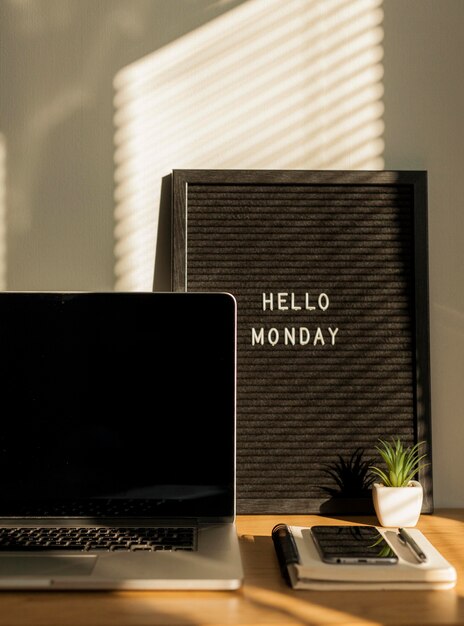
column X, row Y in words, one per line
column 330, row 273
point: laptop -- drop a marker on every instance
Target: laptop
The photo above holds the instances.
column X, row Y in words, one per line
column 117, row 441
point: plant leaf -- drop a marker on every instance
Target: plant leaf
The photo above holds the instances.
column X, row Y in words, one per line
column 402, row 464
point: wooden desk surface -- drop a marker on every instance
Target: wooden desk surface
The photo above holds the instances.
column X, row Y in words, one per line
column 264, row 598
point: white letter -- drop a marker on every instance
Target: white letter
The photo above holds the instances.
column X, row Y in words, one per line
column 307, row 307
column 333, row 333
column 323, row 301
column 268, row 301
column 294, row 306
column 273, row 336
column 257, row 337
column 304, row 340
column 289, row 336
column 318, row 337
column 281, row 299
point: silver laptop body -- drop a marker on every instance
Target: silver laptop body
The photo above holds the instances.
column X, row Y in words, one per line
column 117, row 441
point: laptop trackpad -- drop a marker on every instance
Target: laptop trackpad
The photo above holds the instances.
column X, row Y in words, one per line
column 31, row 565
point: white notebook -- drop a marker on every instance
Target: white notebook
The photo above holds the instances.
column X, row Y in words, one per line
column 306, row 570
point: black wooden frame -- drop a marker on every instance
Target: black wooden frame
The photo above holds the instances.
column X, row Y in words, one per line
column 417, row 182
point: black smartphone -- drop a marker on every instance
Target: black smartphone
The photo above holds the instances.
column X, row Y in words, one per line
column 352, row 544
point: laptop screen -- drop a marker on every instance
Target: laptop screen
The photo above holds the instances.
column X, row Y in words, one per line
column 117, row 404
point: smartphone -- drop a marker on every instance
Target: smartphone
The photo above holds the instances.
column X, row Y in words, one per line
column 352, row 544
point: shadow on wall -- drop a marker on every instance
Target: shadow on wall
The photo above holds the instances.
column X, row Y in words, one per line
column 268, row 85
column 228, row 84
column 58, row 59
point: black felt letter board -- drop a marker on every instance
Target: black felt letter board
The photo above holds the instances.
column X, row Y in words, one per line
column 329, row 269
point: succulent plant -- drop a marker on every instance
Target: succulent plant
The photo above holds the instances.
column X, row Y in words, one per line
column 402, row 464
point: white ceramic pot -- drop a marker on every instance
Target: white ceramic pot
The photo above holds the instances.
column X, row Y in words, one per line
column 398, row 506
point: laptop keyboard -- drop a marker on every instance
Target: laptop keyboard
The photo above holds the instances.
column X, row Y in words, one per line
column 88, row 539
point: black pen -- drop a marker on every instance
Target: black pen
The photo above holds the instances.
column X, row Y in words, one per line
column 406, row 538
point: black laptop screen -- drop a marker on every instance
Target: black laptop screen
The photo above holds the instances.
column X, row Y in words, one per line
column 117, row 404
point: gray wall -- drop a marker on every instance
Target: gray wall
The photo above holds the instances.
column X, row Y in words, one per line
column 424, row 104
column 58, row 60
column 99, row 99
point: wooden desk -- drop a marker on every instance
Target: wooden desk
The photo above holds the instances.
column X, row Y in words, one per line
column 264, row 598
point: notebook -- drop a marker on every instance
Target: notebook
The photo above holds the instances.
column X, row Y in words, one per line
column 302, row 567
column 117, row 441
